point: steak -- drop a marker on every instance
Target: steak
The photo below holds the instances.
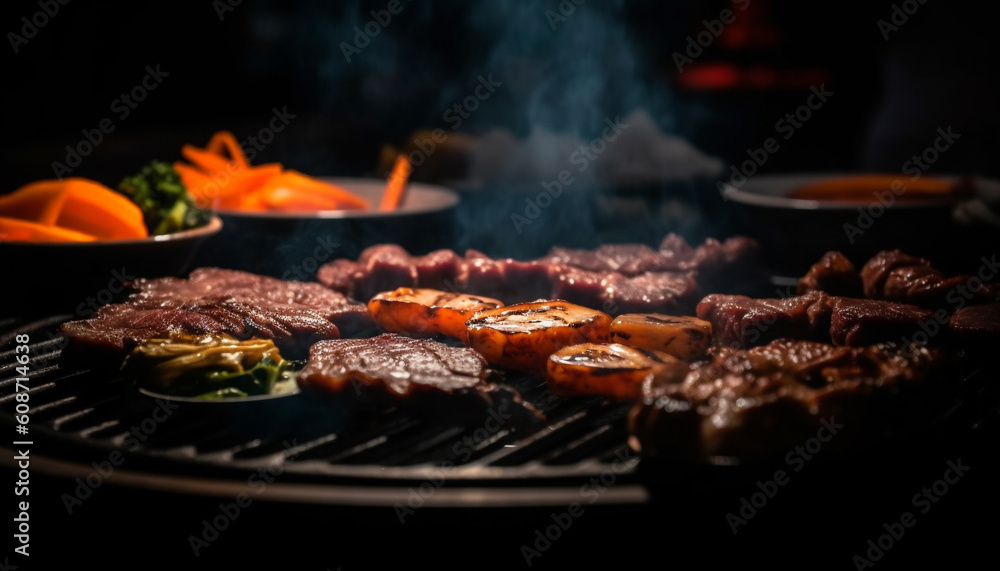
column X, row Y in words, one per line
column 417, row 374
column 740, row 322
column 760, row 403
column 216, row 301
column 632, row 277
column 895, row 276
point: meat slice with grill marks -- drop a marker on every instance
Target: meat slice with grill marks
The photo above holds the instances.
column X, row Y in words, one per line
column 392, row 370
column 631, row 277
column 762, row 402
column 741, row 322
column 217, row 301
column 894, row 275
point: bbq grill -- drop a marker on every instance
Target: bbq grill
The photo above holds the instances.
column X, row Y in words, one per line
column 404, row 475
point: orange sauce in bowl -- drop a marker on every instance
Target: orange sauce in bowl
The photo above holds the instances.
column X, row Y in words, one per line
column 865, row 188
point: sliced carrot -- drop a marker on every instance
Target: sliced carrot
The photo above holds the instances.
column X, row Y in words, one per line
column 206, row 160
column 339, row 198
column 39, row 201
column 287, row 199
column 226, row 141
column 16, row 230
column 246, row 182
column 95, row 209
column 396, row 187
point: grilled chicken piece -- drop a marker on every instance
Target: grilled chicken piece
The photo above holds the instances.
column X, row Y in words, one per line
column 608, row 369
column 686, row 338
column 427, row 312
column 522, row 336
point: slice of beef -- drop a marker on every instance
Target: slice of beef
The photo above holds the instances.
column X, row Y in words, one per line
column 674, row 293
column 896, row 276
column 383, row 268
column 833, row 274
column 858, row 322
column 340, row 276
column 217, row 301
column 978, row 324
column 420, row 375
column 440, row 269
column 760, row 403
column 739, row 321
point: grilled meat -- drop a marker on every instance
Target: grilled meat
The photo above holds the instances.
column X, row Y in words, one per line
column 215, row 301
column 740, row 321
column 616, row 278
column 833, row 274
column 762, row 402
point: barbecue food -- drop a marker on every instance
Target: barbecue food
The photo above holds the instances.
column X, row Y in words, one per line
column 607, row 369
column 427, row 312
column 893, row 275
column 833, row 274
column 392, row 370
column 207, row 366
column 617, row 278
column 977, row 323
column 686, row 338
column 222, row 302
column 740, row 322
column 522, row 336
column 762, row 402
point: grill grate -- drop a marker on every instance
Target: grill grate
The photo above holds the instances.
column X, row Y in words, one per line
column 84, row 414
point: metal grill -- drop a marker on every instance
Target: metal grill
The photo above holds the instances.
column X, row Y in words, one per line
column 80, row 415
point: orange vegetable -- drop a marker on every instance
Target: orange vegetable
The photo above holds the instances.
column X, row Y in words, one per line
column 95, row 209
column 39, row 201
column 15, row 230
column 73, row 210
column 396, row 187
column 220, row 176
column 224, row 140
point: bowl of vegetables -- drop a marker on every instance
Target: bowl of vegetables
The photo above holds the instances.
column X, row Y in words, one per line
column 282, row 222
column 72, row 245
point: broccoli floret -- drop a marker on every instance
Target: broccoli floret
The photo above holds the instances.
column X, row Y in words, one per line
column 164, row 200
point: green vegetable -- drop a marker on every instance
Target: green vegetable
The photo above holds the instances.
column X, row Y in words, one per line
column 207, row 366
column 166, row 205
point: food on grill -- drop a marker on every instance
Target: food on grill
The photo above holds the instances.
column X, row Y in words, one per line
column 740, row 321
column 207, row 366
column 522, row 336
column 833, row 274
column 607, row 369
column 895, row 276
column 765, row 401
column 215, row 301
column 69, row 210
column 684, row 337
column 221, row 176
column 426, row 312
column 617, row 278
column 977, row 323
column 392, row 370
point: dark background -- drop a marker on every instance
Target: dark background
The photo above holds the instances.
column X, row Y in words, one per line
column 939, row 69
